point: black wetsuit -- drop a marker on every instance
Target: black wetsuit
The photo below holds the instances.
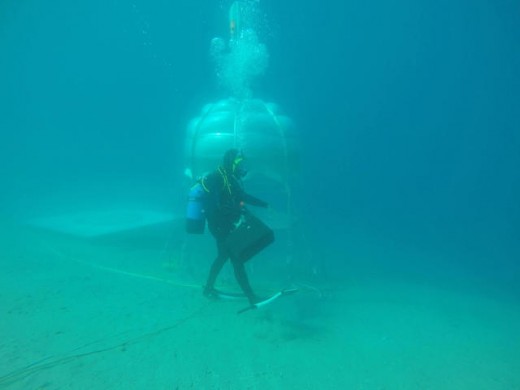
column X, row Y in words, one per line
column 225, row 202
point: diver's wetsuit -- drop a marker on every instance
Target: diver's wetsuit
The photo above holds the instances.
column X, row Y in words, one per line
column 226, row 198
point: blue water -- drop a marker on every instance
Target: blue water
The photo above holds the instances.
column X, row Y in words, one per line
column 407, row 243
column 408, row 114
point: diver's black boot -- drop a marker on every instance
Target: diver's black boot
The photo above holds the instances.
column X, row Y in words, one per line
column 209, row 291
column 243, row 281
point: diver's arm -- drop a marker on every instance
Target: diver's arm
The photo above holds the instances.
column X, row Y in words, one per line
column 250, row 199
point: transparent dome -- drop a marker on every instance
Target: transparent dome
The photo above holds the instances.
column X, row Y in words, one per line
column 265, row 136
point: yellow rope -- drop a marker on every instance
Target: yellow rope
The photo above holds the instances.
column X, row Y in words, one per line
column 43, row 364
column 121, row 272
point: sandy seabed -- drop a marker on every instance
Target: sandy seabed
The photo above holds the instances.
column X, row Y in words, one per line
column 78, row 314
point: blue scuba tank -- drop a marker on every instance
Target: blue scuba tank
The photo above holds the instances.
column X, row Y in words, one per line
column 195, row 215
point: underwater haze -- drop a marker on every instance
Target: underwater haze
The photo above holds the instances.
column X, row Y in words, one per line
column 408, row 120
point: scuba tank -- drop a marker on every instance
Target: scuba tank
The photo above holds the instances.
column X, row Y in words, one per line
column 195, row 215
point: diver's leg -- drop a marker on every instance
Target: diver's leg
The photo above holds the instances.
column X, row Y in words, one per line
column 216, row 267
column 243, row 281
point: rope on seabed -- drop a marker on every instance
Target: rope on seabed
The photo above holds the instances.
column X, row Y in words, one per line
column 51, row 362
column 119, row 271
column 43, row 364
column 302, row 286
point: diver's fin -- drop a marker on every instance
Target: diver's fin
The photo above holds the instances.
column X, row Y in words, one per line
column 269, row 300
column 228, row 295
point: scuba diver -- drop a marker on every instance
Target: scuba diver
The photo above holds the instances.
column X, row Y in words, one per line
column 224, row 208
